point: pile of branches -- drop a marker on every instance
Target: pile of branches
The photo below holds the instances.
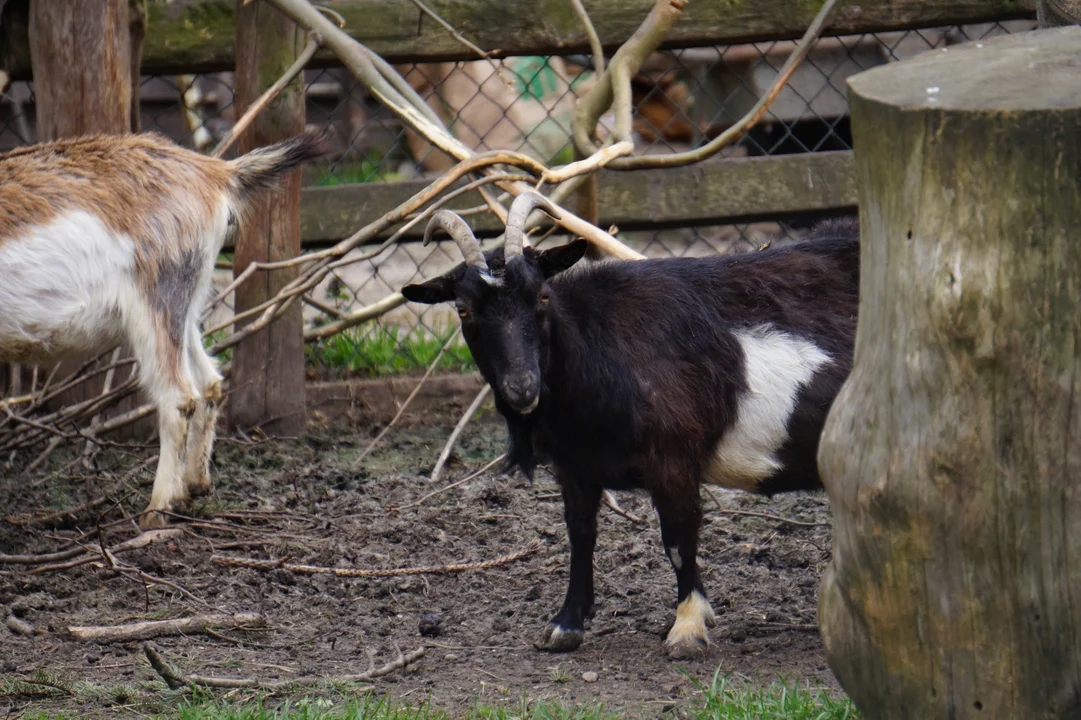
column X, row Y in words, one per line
column 26, row 421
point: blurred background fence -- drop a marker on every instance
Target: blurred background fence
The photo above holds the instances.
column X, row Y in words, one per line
column 792, row 168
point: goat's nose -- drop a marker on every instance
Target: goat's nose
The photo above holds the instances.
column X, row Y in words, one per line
column 521, row 390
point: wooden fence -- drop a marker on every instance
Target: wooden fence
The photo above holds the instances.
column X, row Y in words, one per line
column 196, row 36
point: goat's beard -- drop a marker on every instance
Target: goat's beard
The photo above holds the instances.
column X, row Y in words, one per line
column 520, row 453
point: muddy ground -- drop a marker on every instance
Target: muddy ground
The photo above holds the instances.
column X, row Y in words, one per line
column 301, row 500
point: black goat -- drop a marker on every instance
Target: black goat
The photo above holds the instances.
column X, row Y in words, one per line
column 655, row 374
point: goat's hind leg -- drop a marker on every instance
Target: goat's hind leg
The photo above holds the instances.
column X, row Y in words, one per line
column 166, row 375
column 566, row 631
column 681, row 515
column 201, row 436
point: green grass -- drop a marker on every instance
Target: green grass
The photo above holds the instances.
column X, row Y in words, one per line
column 377, row 350
column 370, row 169
column 779, row 700
column 720, row 700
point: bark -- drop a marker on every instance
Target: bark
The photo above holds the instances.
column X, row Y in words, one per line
column 953, row 453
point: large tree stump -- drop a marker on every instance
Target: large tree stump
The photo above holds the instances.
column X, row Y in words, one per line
column 268, row 367
column 952, row 456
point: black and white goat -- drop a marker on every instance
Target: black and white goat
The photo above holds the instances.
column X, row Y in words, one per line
column 112, row 239
column 655, row 374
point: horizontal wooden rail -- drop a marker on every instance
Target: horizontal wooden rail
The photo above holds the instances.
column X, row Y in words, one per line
column 731, row 190
column 199, row 35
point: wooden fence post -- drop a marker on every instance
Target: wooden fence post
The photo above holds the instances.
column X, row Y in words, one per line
column 83, row 58
column 268, row 368
column 80, row 52
column 952, row 456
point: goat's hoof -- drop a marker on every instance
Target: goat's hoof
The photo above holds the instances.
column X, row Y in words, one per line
column 152, row 520
column 687, row 648
column 559, row 639
column 199, row 488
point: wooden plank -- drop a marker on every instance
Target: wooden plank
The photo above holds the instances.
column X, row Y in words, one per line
column 198, row 35
column 741, row 189
column 268, row 367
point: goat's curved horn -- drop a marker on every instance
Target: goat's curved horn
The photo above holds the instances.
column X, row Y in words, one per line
column 518, row 214
column 460, row 233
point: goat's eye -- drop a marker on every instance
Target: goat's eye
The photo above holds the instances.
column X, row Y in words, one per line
column 463, row 313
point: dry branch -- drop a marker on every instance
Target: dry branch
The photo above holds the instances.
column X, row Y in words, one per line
column 610, row 501
column 431, row 368
column 160, row 628
column 176, row 680
column 253, row 564
column 470, row 411
column 454, row 484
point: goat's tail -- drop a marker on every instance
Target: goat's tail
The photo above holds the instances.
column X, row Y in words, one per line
column 263, row 167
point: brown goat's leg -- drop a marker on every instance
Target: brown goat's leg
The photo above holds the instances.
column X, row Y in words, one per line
column 566, row 631
column 680, row 519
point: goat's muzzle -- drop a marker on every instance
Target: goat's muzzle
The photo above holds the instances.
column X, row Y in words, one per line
column 521, row 391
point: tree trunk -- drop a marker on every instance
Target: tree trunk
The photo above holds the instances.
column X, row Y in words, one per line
column 952, row 456
column 1051, row 13
column 268, row 367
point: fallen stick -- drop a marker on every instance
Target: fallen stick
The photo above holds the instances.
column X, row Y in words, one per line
column 610, row 501
column 443, row 456
column 455, row 484
column 40, row 559
column 747, row 513
column 19, row 626
column 253, row 564
column 139, row 541
column 175, row 680
column 196, row 625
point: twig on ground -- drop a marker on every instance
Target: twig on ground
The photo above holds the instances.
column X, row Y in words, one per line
column 253, row 564
column 41, row 559
column 470, row 411
column 93, row 554
column 610, row 501
column 747, row 513
column 19, row 626
column 160, row 628
column 405, row 405
column 453, row 485
column 176, row 680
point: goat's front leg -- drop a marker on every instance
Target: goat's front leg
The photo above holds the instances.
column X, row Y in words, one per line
column 567, row 629
column 681, row 515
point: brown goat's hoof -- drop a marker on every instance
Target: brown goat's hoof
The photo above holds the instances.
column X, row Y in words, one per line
column 559, row 639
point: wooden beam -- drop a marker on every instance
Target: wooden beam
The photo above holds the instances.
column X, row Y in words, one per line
column 743, row 189
column 198, row 35
column 268, row 367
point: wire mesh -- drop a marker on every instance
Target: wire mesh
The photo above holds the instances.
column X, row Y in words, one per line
column 682, row 98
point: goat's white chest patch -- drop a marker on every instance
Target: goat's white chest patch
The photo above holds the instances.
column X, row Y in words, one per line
column 777, row 366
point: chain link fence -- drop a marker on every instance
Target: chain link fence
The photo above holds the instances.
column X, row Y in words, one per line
column 683, row 98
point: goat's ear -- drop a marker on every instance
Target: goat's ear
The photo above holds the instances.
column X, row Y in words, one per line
column 430, row 292
column 560, row 258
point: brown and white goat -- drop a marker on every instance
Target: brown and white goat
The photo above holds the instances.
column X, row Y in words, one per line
column 111, row 239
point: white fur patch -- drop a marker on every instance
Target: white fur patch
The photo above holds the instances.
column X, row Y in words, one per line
column 692, row 617
column 777, row 366
column 64, row 286
column 674, row 557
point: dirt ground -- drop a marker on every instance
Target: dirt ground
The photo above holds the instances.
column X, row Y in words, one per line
column 301, row 501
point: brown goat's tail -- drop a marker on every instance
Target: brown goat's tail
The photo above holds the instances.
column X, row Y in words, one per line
column 263, row 167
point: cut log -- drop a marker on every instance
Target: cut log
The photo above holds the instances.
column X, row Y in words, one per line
column 952, row 455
